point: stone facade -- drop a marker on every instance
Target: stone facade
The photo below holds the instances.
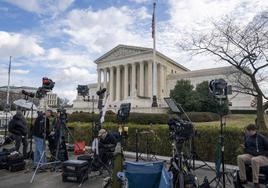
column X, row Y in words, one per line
column 127, row 73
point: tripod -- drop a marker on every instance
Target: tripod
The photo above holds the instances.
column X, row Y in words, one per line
column 148, row 147
column 221, row 175
column 43, row 155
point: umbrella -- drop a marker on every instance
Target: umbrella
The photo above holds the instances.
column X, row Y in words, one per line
column 25, row 104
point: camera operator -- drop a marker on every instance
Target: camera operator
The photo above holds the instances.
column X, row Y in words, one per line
column 18, row 127
column 107, row 143
column 256, row 153
column 40, row 133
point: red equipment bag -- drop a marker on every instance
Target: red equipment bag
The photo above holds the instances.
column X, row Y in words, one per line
column 79, row 147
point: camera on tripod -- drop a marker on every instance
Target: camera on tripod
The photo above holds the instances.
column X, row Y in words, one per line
column 220, row 89
column 28, row 94
column 123, row 112
column 180, row 130
column 62, row 114
column 83, row 90
column 47, row 85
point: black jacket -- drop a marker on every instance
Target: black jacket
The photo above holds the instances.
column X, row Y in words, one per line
column 108, row 142
column 18, row 125
column 256, row 145
column 39, row 127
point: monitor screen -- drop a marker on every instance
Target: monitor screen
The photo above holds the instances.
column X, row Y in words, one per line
column 172, row 105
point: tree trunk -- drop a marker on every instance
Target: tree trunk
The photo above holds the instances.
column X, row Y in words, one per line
column 260, row 113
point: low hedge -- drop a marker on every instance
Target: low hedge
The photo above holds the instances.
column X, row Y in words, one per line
column 206, row 139
column 144, row 118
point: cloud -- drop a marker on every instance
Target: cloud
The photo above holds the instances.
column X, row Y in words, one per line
column 17, row 45
column 20, row 71
column 42, row 7
column 58, row 58
column 193, row 17
column 139, row 1
column 67, row 80
column 101, row 30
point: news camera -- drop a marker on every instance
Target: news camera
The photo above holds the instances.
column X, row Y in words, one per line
column 180, row 130
column 83, row 90
column 47, row 85
column 220, row 89
column 62, row 114
column 28, row 94
column 123, row 112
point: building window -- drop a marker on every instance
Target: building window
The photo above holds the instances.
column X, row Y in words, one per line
column 172, row 71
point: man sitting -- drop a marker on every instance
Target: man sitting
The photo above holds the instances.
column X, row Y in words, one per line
column 256, row 152
column 107, row 143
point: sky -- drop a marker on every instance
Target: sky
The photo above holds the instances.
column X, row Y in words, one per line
column 60, row 39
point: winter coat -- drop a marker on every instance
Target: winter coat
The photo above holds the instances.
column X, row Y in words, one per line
column 18, row 125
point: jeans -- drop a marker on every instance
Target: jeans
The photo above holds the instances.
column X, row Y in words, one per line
column 39, row 149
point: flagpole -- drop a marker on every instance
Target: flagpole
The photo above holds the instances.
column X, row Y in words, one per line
column 7, row 109
column 154, row 103
column 8, row 86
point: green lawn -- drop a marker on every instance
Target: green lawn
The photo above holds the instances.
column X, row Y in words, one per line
column 235, row 120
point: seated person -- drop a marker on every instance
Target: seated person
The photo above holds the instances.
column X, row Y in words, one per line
column 107, row 144
column 256, row 152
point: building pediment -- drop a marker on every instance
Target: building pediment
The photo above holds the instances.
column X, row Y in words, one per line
column 121, row 51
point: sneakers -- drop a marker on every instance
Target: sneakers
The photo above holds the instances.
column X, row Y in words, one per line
column 256, row 185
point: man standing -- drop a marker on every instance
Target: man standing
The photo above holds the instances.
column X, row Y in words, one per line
column 256, row 152
column 40, row 133
column 18, row 127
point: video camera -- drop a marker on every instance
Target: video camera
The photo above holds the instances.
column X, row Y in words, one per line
column 123, row 112
column 220, row 89
column 63, row 114
column 100, row 93
column 47, row 85
column 83, row 90
column 180, row 130
column 28, row 94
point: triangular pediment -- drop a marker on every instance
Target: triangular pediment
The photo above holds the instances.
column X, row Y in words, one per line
column 121, row 51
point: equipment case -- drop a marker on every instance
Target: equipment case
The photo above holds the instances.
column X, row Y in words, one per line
column 74, row 166
column 17, row 166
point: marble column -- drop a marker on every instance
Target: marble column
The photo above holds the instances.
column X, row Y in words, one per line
column 99, row 78
column 125, row 81
column 161, row 81
column 150, row 79
column 105, row 78
column 111, row 84
column 142, row 79
column 155, row 79
column 133, row 79
column 117, row 95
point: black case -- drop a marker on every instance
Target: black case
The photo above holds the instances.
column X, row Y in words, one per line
column 14, row 159
column 75, row 177
column 17, row 166
column 88, row 158
column 74, row 166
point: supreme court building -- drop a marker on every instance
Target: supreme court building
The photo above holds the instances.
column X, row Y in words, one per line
column 127, row 73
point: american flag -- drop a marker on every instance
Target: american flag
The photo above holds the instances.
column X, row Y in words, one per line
column 153, row 22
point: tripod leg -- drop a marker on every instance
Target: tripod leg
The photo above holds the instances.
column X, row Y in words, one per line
column 38, row 166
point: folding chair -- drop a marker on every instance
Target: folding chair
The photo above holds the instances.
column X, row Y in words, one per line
column 144, row 175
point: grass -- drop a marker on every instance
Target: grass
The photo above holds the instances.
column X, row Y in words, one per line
column 235, row 120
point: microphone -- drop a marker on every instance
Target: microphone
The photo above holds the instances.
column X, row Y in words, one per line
column 29, row 94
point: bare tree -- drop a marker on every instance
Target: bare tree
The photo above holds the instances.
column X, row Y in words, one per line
column 246, row 49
